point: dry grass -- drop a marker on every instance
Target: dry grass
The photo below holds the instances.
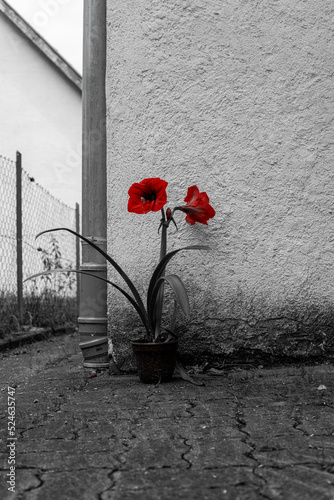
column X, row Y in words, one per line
column 48, row 309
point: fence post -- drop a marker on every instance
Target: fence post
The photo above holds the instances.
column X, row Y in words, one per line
column 77, row 251
column 19, row 236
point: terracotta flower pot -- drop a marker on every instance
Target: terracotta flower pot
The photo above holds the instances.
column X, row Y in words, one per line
column 155, row 360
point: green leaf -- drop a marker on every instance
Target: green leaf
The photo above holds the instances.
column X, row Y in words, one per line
column 160, row 269
column 180, row 293
column 142, row 314
column 108, row 258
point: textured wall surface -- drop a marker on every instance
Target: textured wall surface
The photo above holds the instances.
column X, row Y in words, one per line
column 236, row 97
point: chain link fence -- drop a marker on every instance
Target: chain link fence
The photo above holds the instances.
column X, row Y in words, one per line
column 21, row 254
column 7, row 225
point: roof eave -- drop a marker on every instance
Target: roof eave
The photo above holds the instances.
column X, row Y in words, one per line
column 42, row 44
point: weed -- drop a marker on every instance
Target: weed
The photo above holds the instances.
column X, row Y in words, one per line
column 46, row 310
column 48, row 303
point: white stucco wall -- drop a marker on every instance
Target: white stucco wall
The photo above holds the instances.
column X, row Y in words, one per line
column 238, row 98
column 40, row 114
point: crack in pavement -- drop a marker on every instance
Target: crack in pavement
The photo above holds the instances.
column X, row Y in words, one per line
column 186, row 441
column 113, row 477
column 298, row 420
column 37, row 475
column 192, row 405
column 170, row 437
column 246, row 439
column 183, row 455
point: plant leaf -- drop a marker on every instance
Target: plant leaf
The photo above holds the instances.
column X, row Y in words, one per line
column 173, row 319
column 171, row 335
column 107, row 257
column 157, row 312
column 143, row 315
column 160, row 269
column 182, row 372
column 170, row 330
column 180, row 293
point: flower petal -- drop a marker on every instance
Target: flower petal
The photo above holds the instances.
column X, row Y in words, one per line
column 197, row 208
column 192, row 195
column 147, row 195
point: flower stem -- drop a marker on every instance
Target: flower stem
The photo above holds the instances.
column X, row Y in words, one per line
column 160, row 298
column 163, row 246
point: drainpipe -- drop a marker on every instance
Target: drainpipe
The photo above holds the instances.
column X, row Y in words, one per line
column 93, row 292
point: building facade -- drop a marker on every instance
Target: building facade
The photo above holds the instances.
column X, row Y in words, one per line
column 237, row 98
column 40, row 108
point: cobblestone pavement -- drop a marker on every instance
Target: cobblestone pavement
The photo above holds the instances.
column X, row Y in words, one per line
column 260, row 434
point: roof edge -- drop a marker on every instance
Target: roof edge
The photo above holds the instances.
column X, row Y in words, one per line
column 41, row 44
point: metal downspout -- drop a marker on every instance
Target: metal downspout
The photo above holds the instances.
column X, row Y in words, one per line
column 93, row 292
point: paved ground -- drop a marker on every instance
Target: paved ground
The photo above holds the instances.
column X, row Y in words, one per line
column 261, row 434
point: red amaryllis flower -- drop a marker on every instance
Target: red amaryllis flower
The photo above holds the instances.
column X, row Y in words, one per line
column 147, row 195
column 197, row 208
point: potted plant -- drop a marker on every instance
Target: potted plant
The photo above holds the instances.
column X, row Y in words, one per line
column 156, row 351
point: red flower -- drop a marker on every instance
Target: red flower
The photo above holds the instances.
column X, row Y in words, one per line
column 197, row 207
column 147, row 195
